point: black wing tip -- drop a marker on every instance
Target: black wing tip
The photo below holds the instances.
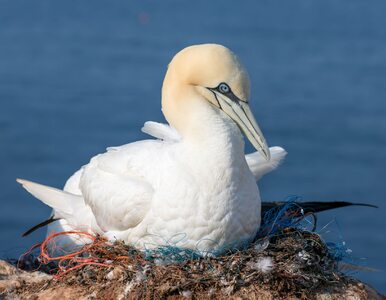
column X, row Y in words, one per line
column 36, row 227
column 315, row 206
column 337, row 203
column 28, row 232
column 364, row 204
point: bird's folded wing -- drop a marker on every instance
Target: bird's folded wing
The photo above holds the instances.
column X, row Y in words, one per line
column 161, row 131
column 259, row 166
column 114, row 186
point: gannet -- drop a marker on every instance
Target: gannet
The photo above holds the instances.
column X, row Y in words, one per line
column 192, row 186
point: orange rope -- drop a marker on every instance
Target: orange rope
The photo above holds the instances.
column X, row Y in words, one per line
column 73, row 258
column 43, row 247
column 65, row 271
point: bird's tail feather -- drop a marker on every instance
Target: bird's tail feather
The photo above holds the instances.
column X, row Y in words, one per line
column 62, row 202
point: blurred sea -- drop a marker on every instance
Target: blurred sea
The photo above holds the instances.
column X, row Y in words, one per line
column 78, row 76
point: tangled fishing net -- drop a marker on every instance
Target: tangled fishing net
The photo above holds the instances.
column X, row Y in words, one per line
column 286, row 258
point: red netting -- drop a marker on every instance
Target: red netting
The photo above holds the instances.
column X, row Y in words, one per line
column 96, row 252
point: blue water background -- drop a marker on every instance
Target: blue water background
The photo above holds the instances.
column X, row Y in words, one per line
column 77, row 76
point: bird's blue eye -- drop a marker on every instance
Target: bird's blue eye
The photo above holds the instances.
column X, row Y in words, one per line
column 224, row 88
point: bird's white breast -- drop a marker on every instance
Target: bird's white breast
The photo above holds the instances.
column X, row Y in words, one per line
column 190, row 195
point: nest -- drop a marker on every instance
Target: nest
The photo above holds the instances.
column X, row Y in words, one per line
column 285, row 260
column 291, row 262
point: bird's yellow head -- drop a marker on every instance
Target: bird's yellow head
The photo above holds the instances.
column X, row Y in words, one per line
column 213, row 73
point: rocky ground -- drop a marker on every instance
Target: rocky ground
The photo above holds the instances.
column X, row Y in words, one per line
column 292, row 265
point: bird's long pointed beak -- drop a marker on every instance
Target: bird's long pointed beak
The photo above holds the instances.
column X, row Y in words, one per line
column 240, row 112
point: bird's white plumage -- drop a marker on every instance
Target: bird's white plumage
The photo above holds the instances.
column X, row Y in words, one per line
column 192, row 186
column 257, row 164
column 161, row 131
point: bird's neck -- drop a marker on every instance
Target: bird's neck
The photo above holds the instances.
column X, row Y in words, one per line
column 206, row 131
column 210, row 135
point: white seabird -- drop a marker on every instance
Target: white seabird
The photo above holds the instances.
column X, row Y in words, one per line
column 193, row 186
